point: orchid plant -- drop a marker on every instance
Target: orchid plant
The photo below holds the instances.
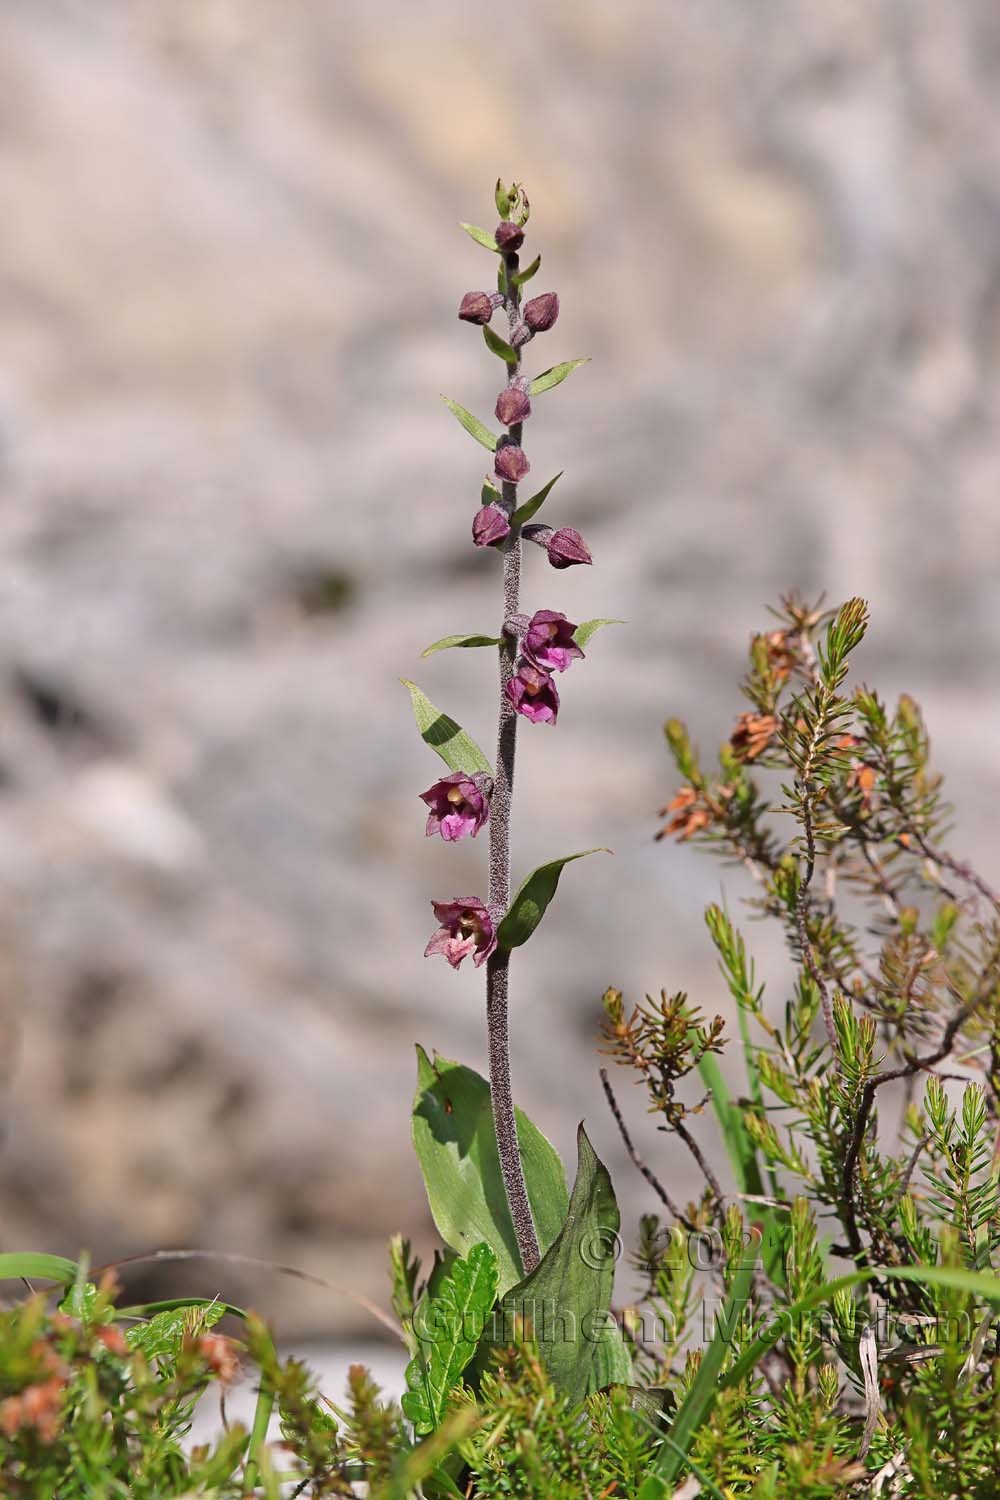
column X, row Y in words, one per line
column 532, row 651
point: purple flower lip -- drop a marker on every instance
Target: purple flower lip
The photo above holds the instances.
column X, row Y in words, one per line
column 511, row 463
column 489, row 526
column 513, row 405
column 548, row 641
column 466, row 929
column 459, row 806
column 509, row 236
column 532, row 693
column 565, row 547
column 477, row 307
column 541, row 312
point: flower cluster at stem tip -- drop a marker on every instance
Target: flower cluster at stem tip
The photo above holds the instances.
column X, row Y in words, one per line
column 542, row 645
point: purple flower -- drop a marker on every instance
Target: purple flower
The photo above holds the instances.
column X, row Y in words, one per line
column 459, row 805
column 548, row 641
column 466, row 927
column 478, row 307
column 533, row 693
column 511, row 463
column 489, row 526
column 565, row 546
column 513, row 405
column 509, row 237
column 541, row 312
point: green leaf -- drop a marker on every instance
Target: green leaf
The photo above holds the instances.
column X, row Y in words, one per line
column 448, row 642
column 530, row 507
column 451, row 1324
column 612, row 1361
column 532, row 898
column 457, row 1150
column 455, row 747
column 566, row 1298
column 583, row 633
column 501, row 197
column 481, row 237
column 472, row 424
column 162, row 1336
column 499, row 346
column 17, row 1263
column 489, row 494
column 520, row 277
column 556, row 375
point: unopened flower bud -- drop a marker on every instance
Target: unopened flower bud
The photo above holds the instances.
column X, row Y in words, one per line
column 513, row 405
column 509, row 237
column 565, row 547
column 478, row 307
column 511, row 463
column 489, row 526
column 541, row 312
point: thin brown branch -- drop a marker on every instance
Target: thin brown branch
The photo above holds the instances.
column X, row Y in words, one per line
column 637, row 1160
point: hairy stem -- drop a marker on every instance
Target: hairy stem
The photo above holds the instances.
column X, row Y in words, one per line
column 498, row 965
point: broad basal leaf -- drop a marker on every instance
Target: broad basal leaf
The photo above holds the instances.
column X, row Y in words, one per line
column 532, row 898
column 525, row 512
column 455, row 747
column 457, row 1150
column 478, row 430
column 448, row 1328
column 583, row 633
column 556, row 375
column 566, row 1299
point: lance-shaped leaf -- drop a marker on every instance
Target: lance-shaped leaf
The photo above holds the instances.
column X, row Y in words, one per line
column 448, row 642
column 499, row 346
column 448, row 1327
column 531, row 507
column 481, row 236
column 457, row 749
column 520, row 277
column 556, row 375
column 532, row 899
column 583, row 633
column 472, row 425
column 456, row 1147
column 489, row 494
column 502, row 198
column 565, row 1301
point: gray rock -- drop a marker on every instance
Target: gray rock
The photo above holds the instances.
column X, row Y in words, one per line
column 233, row 511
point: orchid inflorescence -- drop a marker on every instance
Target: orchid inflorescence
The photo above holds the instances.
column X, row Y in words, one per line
column 533, row 651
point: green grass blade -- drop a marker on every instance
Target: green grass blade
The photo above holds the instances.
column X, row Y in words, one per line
column 17, row 1263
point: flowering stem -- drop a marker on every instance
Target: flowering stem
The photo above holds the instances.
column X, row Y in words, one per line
column 498, row 965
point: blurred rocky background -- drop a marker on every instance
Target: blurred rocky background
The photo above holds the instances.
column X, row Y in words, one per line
column 233, row 510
